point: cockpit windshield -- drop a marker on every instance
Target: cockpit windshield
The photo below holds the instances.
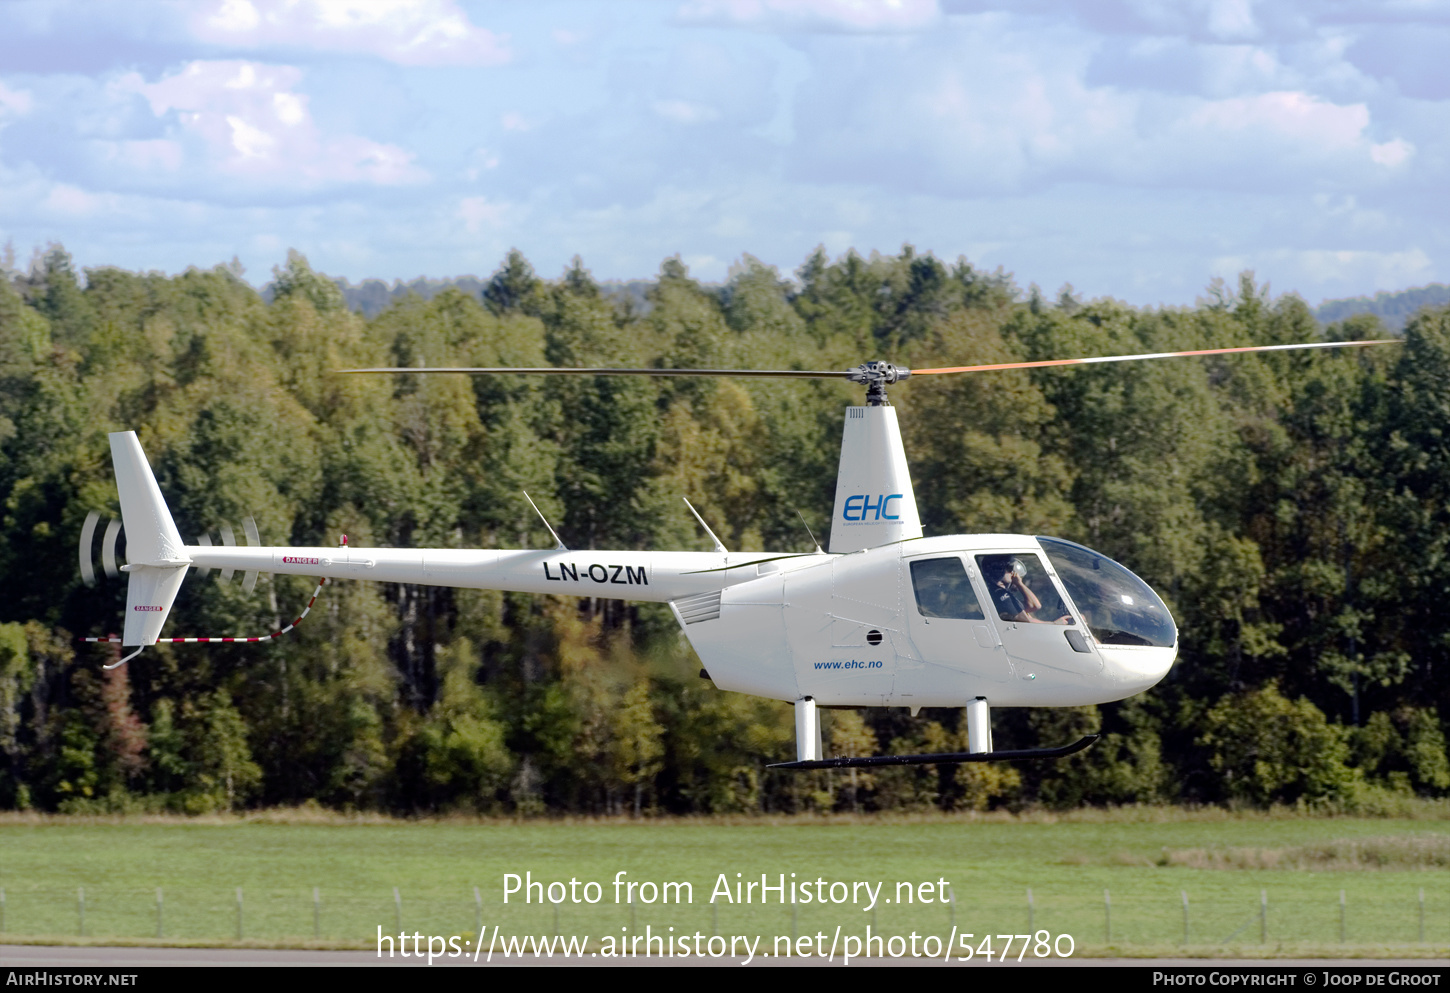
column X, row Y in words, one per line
column 1119, row 608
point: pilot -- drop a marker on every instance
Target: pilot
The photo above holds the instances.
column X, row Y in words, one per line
column 1015, row 600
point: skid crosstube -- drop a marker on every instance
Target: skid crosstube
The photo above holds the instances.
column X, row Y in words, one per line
column 945, row 758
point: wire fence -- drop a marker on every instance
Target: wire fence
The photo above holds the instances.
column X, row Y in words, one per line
column 1324, row 915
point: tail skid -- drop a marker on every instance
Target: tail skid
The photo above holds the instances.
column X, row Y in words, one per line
column 112, row 639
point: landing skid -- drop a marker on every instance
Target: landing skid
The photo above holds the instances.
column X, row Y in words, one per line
column 944, row 758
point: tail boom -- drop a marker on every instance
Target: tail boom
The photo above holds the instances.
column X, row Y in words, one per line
column 649, row 577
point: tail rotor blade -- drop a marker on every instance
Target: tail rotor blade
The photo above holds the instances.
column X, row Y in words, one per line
column 205, row 542
column 254, row 539
column 88, row 538
column 229, row 538
column 108, row 548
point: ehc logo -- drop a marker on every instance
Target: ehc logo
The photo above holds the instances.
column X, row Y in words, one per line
column 857, row 507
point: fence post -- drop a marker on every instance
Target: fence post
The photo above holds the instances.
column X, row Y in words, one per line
column 1184, row 894
column 1422, row 913
column 81, row 905
column 1341, row 917
column 478, row 916
column 631, row 912
column 316, row 913
column 398, row 909
column 1263, row 917
column 240, row 932
column 160, row 926
column 1107, row 916
column 952, row 909
column 2, row 909
column 1031, row 910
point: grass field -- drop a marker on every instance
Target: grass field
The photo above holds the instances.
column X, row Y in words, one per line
column 1145, row 860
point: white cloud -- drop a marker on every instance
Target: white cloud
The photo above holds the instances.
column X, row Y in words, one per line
column 815, row 15
column 291, row 109
column 246, row 120
column 480, row 161
column 408, row 32
column 72, row 201
column 478, row 213
column 1336, row 271
column 685, row 112
column 1231, row 18
column 235, row 15
column 1122, row 146
column 1391, row 153
column 1296, row 117
column 154, row 155
column 991, row 108
column 14, row 102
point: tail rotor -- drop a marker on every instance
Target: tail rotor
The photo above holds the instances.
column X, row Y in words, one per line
column 229, row 538
column 254, row 539
column 108, row 548
column 112, row 531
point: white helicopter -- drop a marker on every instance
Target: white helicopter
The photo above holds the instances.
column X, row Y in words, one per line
column 886, row 618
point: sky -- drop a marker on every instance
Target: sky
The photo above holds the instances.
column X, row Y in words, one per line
column 1133, row 148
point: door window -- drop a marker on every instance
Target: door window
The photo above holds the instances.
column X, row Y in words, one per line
column 943, row 590
column 1021, row 590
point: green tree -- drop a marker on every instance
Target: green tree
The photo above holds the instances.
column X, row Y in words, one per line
column 298, row 280
column 1266, row 748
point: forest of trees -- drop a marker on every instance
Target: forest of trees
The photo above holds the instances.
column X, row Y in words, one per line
column 1393, row 309
column 1293, row 509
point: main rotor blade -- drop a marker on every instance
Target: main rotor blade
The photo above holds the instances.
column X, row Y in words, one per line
column 759, row 373
column 861, row 373
column 1149, row 355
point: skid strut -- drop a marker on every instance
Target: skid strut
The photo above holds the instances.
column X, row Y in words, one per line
column 945, row 758
column 979, row 744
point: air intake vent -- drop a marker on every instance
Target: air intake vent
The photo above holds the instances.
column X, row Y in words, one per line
column 703, row 607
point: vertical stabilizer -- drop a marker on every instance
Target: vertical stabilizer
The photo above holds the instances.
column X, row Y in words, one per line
column 155, row 554
column 149, row 594
column 151, row 535
column 875, row 504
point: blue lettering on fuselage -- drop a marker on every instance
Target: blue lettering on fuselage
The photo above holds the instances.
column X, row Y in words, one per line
column 858, row 506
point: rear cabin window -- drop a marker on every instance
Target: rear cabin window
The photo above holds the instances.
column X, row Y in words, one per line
column 943, row 590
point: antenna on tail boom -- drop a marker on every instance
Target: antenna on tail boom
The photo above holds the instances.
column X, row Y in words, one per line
column 559, row 545
column 719, row 547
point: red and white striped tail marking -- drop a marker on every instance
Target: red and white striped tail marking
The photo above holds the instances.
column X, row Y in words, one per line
column 115, row 639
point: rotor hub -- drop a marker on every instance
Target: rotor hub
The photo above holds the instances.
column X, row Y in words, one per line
column 876, row 376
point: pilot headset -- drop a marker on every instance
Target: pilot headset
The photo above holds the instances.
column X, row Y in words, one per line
column 1004, row 563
